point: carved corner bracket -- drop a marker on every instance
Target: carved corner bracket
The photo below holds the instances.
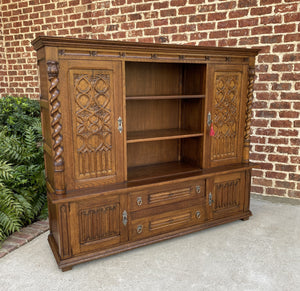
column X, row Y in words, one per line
column 55, row 115
column 251, row 74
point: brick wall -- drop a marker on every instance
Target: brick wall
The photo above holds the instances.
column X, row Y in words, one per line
column 271, row 25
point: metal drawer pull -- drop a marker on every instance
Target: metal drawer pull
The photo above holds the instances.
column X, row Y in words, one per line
column 139, row 229
column 198, row 189
column 198, row 214
column 139, row 201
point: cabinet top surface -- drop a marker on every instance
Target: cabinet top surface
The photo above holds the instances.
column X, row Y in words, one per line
column 79, row 43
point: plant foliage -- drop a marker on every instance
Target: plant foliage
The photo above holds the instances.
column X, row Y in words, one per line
column 22, row 176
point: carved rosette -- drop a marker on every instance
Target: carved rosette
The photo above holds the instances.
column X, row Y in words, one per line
column 53, row 69
column 251, row 74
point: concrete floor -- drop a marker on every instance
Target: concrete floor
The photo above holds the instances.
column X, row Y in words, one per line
column 262, row 253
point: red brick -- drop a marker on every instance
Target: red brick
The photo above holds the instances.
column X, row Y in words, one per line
column 257, row 189
column 261, row 30
column 286, row 8
column 266, row 96
column 247, row 3
column 292, row 17
column 257, row 139
column 261, row 86
column 278, row 158
column 160, row 22
column 239, row 32
column 278, row 141
column 296, row 105
column 168, row 13
column 178, row 20
column 259, row 122
column 218, row 34
column 257, row 173
column 290, row 96
column 266, row 114
column 206, row 26
column 285, row 184
column 292, row 37
column 270, row 19
column 265, row 166
column 227, row 42
column 143, row 24
column 227, row 5
column 161, row 5
column 261, row 10
column 294, row 193
column 257, row 157
column 188, row 27
column 179, row 37
column 207, row 8
column 281, row 86
column 281, row 123
column 238, row 13
column 271, row 39
column 187, row 10
column 286, row 28
column 249, row 41
column 178, row 2
column 290, row 77
column 276, row 175
column 268, row 77
column 268, row 59
column 169, row 29
column 264, row 148
column 288, row 114
column 142, row 7
column 282, row 132
column 197, row 18
column 268, row 2
column 227, row 24
column 275, row 191
column 280, row 105
column 262, row 182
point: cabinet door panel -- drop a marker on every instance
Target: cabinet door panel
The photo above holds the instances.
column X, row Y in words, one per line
column 226, row 194
column 226, row 103
column 97, row 224
column 95, row 146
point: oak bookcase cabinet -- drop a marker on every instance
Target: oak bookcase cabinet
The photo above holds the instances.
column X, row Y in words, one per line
column 142, row 142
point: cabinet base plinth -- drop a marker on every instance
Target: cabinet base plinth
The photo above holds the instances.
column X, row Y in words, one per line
column 67, row 264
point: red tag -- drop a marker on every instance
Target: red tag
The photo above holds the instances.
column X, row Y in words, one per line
column 212, row 132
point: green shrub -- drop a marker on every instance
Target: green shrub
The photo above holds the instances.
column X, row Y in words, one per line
column 22, row 177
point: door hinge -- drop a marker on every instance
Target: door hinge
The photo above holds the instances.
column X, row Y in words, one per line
column 120, row 124
column 210, row 200
column 125, row 218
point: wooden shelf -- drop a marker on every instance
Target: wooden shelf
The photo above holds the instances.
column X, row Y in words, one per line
column 162, row 97
column 159, row 171
column 160, row 134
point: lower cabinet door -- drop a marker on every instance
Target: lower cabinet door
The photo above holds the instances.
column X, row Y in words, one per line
column 226, row 195
column 166, row 222
column 97, row 223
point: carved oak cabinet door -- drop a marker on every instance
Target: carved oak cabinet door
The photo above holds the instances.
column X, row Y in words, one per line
column 226, row 109
column 225, row 194
column 97, row 223
column 95, row 134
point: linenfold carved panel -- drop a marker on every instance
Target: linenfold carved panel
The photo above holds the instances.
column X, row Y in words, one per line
column 99, row 223
column 227, row 194
column 226, row 111
column 93, row 124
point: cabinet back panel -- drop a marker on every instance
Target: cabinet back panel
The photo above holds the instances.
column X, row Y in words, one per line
column 152, row 114
column 155, row 152
column 194, row 78
column 144, row 79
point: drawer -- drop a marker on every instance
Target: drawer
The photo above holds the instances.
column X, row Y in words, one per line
column 161, row 195
column 166, row 222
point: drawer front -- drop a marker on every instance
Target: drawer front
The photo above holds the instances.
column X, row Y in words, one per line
column 169, row 221
column 157, row 196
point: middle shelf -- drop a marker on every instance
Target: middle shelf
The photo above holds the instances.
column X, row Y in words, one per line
column 161, row 134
